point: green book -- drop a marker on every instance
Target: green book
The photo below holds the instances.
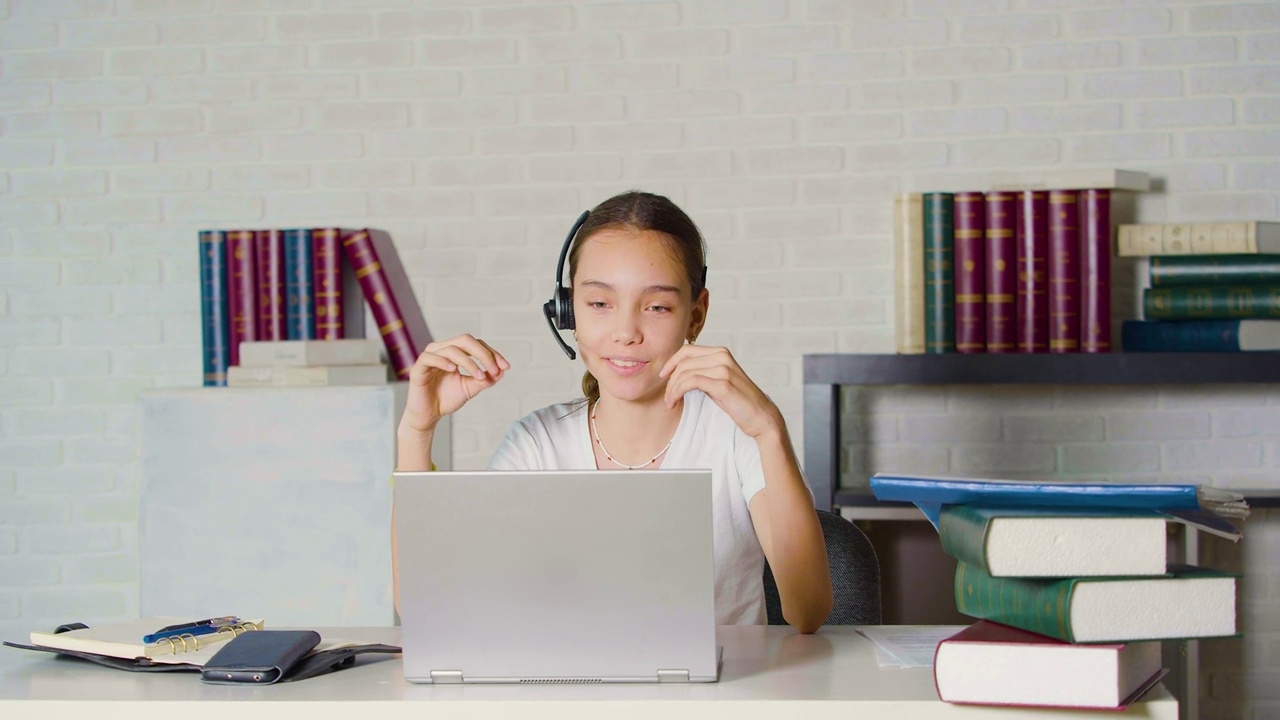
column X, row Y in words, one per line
column 1189, row 602
column 939, row 288
column 1211, row 301
column 1215, row 270
column 1053, row 542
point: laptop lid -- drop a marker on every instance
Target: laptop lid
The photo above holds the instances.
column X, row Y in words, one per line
column 556, row 576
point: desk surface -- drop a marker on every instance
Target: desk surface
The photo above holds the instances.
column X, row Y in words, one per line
column 832, row 674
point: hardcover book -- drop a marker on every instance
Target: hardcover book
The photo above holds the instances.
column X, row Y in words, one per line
column 242, row 291
column 1211, row 301
column 1064, row 272
column 1032, row 240
column 992, row 664
column 386, row 289
column 1190, row 602
column 1095, row 271
column 321, row 376
column 215, row 321
column 310, row 353
column 1200, row 335
column 1167, row 271
column 1219, row 238
column 908, row 283
column 1002, row 277
column 299, row 314
column 970, row 272
column 1073, row 179
column 269, row 245
column 939, row 287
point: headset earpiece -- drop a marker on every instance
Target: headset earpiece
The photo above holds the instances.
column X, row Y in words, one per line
column 559, row 309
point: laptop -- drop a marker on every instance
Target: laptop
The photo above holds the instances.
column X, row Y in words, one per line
column 556, row 576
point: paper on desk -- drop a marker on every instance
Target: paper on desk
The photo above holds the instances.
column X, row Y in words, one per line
column 908, row 646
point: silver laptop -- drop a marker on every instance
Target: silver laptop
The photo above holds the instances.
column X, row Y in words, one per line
column 556, row 576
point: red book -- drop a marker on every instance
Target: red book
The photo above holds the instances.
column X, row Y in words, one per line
column 1095, row 271
column 390, row 297
column 326, row 283
column 1064, row 272
column 992, row 664
column 970, row 273
column 1033, row 271
column 271, row 308
column 242, row 290
column 1002, row 278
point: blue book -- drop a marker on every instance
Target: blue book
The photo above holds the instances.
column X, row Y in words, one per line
column 1196, row 503
column 300, row 321
column 1200, row 335
column 215, row 315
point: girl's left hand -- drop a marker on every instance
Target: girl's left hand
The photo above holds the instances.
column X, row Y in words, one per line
column 714, row 371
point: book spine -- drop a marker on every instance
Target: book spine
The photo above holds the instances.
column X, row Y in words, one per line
column 939, row 291
column 269, row 246
column 1002, row 276
column 299, row 306
column 963, row 532
column 1095, row 271
column 326, row 282
column 908, row 284
column 401, row 350
column 1215, row 270
column 242, row 291
column 1211, row 302
column 1064, row 272
column 1037, row 605
column 970, row 273
column 1180, row 336
column 1033, row 271
column 1223, row 238
column 215, row 321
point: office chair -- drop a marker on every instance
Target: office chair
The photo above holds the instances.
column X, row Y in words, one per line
column 855, row 576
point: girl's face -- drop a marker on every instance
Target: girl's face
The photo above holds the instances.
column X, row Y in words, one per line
column 633, row 310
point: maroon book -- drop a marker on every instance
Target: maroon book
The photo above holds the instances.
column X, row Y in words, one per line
column 1095, row 271
column 1064, row 272
column 390, row 298
column 970, row 273
column 326, row 283
column 271, row 308
column 1002, row 278
column 1033, row 271
column 242, row 290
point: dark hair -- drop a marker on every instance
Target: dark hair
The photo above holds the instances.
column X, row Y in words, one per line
column 643, row 211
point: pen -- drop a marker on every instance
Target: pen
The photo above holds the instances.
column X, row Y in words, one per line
column 197, row 623
column 200, row 627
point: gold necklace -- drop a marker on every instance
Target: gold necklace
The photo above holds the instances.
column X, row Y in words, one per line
column 596, row 434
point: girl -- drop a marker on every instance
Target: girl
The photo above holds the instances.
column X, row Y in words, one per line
column 653, row 398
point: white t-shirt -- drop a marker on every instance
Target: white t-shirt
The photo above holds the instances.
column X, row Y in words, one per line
column 558, row 437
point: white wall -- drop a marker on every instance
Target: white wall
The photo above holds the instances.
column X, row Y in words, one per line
column 475, row 132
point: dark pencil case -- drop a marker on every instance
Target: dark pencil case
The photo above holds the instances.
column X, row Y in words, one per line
column 258, row 658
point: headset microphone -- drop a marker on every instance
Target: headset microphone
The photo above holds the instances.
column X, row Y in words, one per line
column 559, row 309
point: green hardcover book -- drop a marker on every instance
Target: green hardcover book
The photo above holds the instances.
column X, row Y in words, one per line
column 1189, row 602
column 1215, row 270
column 939, row 288
column 1052, row 542
column 1211, row 301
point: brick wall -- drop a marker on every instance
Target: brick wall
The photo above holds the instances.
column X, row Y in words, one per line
column 475, row 132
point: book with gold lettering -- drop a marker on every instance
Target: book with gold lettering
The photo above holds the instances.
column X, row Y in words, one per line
column 389, row 296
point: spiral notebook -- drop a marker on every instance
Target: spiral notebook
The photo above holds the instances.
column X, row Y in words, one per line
column 124, row 640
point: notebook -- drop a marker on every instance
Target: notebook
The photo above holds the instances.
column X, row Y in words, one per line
column 124, row 640
column 556, row 576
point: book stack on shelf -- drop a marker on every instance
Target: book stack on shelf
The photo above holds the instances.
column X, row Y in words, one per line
column 1022, row 267
column 286, row 363
column 1213, row 287
column 277, row 285
column 1070, row 584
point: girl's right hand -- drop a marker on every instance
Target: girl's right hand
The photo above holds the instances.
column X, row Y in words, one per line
column 438, row 385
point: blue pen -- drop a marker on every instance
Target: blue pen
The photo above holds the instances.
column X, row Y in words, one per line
column 199, row 627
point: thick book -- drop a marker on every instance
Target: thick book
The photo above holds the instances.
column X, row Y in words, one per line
column 269, row 246
column 908, row 273
column 328, row 299
column 386, row 288
column 1095, row 271
column 242, row 291
column 939, row 286
column 1073, row 179
column 124, row 640
column 1052, row 542
column 1200, row 335
column 1189, row 602
column 323, row 376
column 310, row 353
column 1176, row 270
column 215, row 322
column 1197, row 302
column 1064, row 272
column 970, row 272
column 992, row 664
column 1217, row 238
column 1032, row 238
column 299, row 313
column 1002, row 276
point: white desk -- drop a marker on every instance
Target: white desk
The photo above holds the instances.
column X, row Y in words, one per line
column 769, row 673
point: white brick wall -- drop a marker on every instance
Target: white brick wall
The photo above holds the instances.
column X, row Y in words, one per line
column 476, row 131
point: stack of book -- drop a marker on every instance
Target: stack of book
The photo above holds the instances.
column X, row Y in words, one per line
column 283, row 363
column 1023, row 267
column 1213, row 287
column 294, row 285
column 1071, row 584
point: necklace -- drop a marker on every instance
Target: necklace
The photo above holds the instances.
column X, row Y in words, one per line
column 596, row 434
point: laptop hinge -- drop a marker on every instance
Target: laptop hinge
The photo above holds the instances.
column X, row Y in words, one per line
column 446, row 677
column 673, row 676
